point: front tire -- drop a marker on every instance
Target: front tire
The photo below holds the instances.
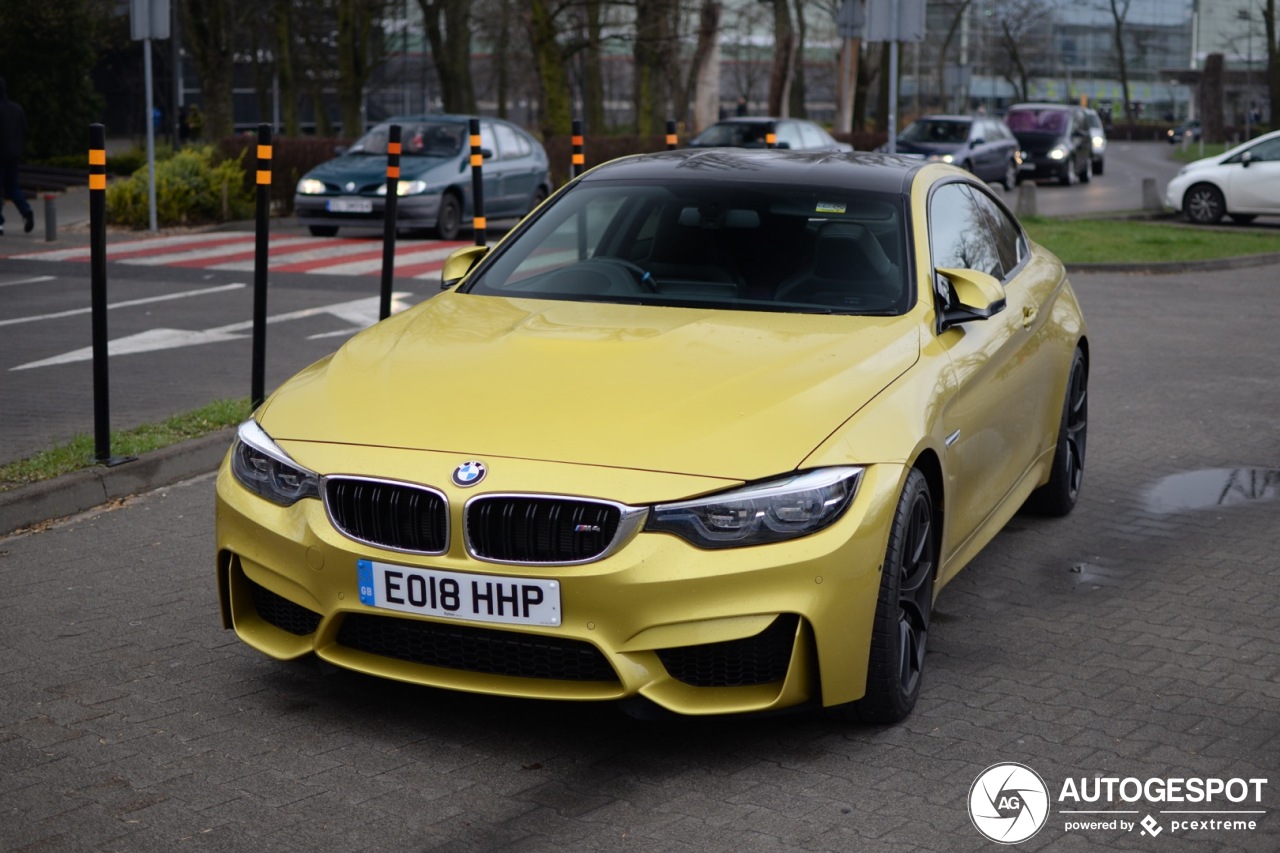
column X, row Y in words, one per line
column 1204, row 204
column 1086, row 175
column 1058, row 496
column 903, row 610
column 323, row 230
column 1010, row 176
column 449, row 220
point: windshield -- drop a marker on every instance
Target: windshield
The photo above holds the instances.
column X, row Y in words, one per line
column 936, row 130
column 727, row 245
column 423, row 139
column 1037, row 121
column 734, row 134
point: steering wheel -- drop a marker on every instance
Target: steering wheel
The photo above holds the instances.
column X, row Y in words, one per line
column 642, row 276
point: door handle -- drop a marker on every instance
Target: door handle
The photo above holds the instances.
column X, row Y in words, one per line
column 1028, row 315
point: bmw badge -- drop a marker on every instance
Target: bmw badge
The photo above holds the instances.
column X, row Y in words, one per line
column 469, row 473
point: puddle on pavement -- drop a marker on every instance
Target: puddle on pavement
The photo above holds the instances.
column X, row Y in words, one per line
column 1212, row 487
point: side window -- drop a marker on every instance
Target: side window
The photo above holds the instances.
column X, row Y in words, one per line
column 509, row 141
column 1007, row 235
column 788, row 132
column 811, row 137
column 1269, row 150
column 488, row 141
column 958, row 235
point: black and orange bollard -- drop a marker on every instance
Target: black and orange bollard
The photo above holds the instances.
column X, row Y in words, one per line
column 98, row 296
column 672, row 139
column 579, row 158
column 389, row 213
column 477, row 182
column 258, row 367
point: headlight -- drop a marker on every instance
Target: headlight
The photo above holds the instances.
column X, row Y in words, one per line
column 1098, row 142
column 786, row 508
column 942, row 158
column 310, row 186
column 405, row 188
column 1057, row 153
column 263, row 468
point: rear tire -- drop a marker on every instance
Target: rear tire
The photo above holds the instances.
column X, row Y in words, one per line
column 1058, row 496
column 1010, row 179
column 903, row 610
column 323, row 230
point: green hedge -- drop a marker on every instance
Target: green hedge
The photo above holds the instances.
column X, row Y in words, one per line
column 193, row 187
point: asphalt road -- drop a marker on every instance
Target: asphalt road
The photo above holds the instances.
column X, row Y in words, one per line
column 1119, row 188
column 1134, row 639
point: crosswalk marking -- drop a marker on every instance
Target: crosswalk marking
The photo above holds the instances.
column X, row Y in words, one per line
column 235, row 252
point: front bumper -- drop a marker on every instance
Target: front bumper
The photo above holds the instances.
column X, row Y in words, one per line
column 415, row 211
column 694, row 631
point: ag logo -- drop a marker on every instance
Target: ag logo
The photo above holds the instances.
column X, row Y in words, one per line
column 469, row 473
column 1008, row 803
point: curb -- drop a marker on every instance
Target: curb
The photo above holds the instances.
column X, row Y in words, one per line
column 1238, row 262
column 82, row 490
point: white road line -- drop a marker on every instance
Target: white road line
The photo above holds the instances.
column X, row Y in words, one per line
column 338, row 250
column 35, row 280
column 211, row 252
column 126, row 246
column 126, row 304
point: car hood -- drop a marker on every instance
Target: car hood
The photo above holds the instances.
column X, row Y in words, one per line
column 365, row 169
column 733, row 394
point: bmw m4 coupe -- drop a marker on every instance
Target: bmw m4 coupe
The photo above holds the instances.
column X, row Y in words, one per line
column 708, row 430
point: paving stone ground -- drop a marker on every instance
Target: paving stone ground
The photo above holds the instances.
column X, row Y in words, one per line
column 1135, row 638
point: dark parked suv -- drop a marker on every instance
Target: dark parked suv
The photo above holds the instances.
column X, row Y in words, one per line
column 1055, row 141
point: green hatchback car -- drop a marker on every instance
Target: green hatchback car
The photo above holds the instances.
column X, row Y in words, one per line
column 435, row 177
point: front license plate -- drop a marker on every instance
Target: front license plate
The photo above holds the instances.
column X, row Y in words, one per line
column 349, row 205
column 457, row 595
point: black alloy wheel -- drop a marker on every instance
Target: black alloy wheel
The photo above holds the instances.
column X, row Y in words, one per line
column 1058, row 496
column 1204, row 204
column 901, row 629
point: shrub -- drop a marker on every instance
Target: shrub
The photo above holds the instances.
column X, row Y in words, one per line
column 291, row 158
column 193, row 187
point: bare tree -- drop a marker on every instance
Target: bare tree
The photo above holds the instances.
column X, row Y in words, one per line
column 956, row 10
column 359, row 52
column 1119, row 14
column 448, row 27
column 1273, row 61
column 704, row 69
column 210, row 34
column 784, row 51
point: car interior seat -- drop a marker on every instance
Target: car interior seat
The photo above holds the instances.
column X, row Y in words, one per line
column 848, row 267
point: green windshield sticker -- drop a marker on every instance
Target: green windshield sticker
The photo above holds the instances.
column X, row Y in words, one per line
column 830, row 207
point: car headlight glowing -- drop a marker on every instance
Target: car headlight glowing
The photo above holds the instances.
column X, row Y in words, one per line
column 405, row 188
column 773, row 511
column 263, row 468
column 310, row 186
column 1098, row 142
column 942, row 158
column 1057, row 153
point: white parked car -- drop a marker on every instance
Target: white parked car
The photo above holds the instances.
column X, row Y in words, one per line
column 1242, row 183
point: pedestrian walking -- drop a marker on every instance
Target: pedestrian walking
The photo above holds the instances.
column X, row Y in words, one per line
column 13, row 137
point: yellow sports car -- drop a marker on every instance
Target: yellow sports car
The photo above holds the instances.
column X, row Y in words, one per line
column 707, row 431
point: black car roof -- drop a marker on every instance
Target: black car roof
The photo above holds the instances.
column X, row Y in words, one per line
column 876, row 172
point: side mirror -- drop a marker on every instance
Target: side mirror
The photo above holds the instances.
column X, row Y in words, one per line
column 459, row 263
column 1246, row 158
column 978, row 297
column 782, row 145
column 979, row 141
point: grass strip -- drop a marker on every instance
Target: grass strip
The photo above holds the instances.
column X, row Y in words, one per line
column 1107, row 241
column 78, row 453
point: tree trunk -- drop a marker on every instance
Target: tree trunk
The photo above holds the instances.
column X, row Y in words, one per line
column 1120, row 11
column 796, row 95
column 448, row 28
column 704, row 70
column 945, row 50
column 1211, row 99
column 209, row 27
column 284, row 68
column 1273, row 61
column 847, row 84
column 355, row 26
column 549, row 63
column 781, row 76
